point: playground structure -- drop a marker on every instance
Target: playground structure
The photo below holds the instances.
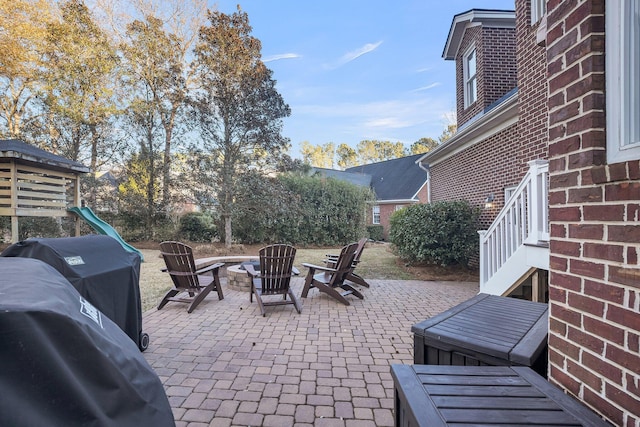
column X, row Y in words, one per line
column 36, row 183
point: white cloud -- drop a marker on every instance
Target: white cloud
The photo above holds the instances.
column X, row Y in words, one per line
column 355, row 54
column 427, row 87
column 280, row 56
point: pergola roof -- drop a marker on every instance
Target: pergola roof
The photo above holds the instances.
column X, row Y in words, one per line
column 19, row 150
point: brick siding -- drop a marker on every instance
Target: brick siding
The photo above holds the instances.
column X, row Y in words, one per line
column 594, row 322
column 472, row 175
column 495, row 68
column 532, row 91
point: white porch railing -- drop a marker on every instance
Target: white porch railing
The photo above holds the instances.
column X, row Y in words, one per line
column 524, row 220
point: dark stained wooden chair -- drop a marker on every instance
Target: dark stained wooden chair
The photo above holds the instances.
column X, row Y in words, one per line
column 332, row 280
column 274, row 277
column 190, row 285
column 352, row 276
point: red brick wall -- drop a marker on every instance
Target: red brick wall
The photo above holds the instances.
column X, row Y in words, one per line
column 471, row 36
column 473, row 174
column 532, row 90
column 499, row 74
column 495, row 68
column 594, row 290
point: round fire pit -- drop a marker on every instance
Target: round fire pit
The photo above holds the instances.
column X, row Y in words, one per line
column 238, row 279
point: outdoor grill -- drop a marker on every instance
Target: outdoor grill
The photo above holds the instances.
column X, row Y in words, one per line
column 101, row 270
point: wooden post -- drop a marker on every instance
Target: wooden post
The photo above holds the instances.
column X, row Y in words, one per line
column 15, row 232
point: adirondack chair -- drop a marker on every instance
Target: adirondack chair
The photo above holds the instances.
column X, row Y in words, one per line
column 332, row 280
column 274, row 277
column 352, row 276
column 187, row 279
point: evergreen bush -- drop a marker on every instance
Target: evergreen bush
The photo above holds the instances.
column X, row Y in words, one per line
column 375, row 232
column 197, row 227
column 443, row 233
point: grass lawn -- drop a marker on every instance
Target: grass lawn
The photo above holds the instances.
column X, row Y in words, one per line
column 377, row 262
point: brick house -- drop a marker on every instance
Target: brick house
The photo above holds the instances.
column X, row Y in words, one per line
column 501, row 109
column 396, row 183
column 589, row 140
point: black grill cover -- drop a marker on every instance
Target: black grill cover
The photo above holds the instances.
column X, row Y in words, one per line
column 63, row 362
column 99, row 268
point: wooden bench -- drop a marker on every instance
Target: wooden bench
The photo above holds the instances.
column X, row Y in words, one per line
column 430, row 395
column 485, row 330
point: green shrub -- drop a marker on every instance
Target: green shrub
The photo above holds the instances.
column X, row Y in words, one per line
column 39, row 227
column 442, row 233
column 197, row 227
column 375, row 232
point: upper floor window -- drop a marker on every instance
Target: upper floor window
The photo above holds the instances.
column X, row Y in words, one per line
column 538, row 10
column 376, row 214
column 622, row 20
column 470, row 80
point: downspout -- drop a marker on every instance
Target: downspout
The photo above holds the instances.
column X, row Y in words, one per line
column 426, row 169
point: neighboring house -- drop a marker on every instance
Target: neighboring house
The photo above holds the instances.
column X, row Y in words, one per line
column 584, row 212
column 397, row 183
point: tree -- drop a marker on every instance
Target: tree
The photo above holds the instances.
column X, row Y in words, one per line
column 347, row 156
column 154, row 63
column 371, row 151
column 423, row 145
column 448, row 132
column 238, row 109
column 23, row 25
column 320, row 156
column 79, row 82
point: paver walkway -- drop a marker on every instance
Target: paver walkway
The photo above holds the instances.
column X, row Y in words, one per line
column 225, row 365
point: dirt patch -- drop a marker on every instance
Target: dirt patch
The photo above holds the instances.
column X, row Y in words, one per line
column 439, row 273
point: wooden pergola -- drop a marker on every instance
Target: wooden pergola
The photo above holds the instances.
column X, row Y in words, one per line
column 36, row 183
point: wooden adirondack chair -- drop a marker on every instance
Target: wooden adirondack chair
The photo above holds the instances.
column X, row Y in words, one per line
column 332, row 280
column 187, row 279
column 352, row 276
column 274, row 277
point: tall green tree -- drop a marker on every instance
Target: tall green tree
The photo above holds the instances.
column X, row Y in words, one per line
column 155, row 76
column 23, row 26
column 238, row 109
column 448, row 132
column 80, row 78
column 371, row 151
column 423, row 145
column 346, row 155
column 320, row 156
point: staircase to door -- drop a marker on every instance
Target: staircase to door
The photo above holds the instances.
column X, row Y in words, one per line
column 515, row 248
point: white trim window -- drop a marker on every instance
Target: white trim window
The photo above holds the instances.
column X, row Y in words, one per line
column 376, row 214
column 470, row 78
column 398, row 207
column 622, row 25
column 538, row 10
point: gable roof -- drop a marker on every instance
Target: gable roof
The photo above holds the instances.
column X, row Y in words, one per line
column 486, row 17
column 362, row 180
column 395, row 179
column 16, row 149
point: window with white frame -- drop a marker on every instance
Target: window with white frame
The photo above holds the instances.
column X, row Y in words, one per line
column 398, row 207
column 470, row 81
column 376, row 214
column 622, row 21
column 538, row 10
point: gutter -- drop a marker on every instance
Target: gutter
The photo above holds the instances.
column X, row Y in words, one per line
column 493, row 121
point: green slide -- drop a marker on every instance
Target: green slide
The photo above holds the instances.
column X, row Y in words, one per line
column 102, row 227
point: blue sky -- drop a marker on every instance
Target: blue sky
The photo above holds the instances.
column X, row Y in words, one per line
column 359, row 69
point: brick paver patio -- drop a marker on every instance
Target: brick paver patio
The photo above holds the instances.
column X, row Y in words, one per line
column 225, row 365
